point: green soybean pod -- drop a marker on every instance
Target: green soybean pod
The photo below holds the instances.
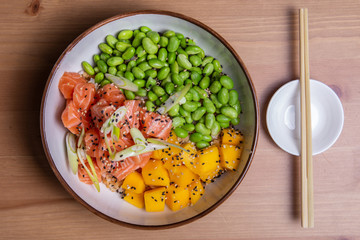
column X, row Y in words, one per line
column 122, row 67
column 138, row 73
column 102, row 66
column 215, row 76
column 176, row 79
column 159, row 91
column 141, row 92
column 198, row 113
column 163, row 73
column 207, row 138
column 207, row 60
column 174, row 67
column 138, row 39
column 119, row 74
column 223, row 96
column 112, row 70
column 111, row 40
column 196, row 69
column 183, row 112
column 179, row 35
column 190, row 42
column 104, row 82
column 180, row 132
column 158, row 102
column 224, row 124
column 129, row 95
column 150, row 73
column 188, row 119
column 208, row 69
column 104, row 56
column 165, row 81
column 233, row 97
column 192, row 50
column 116, row 53
column 129, row 76
column 195, row 77
column 150, row 106
column 129, row 53
column 173, row 45
column 171, row 57
column 122, row 46
column 183, row 61
column 181, row 51
column 151, row 56
column 196, row 137
column 198, row 104
column 202, row 93
column 178, row 121
column 96, row 58
column 215, row 101
column 152, row 96
column 169, row 88
column 229, row 112
column 164, row 41
column 88, row 68
column 215, row 87
column 162, row 55
column 183, row 43
column 154, row 36
column 195, row 95
column 188, row 96
column 205, row 82
column 227, row 82
column 149, row 46
column 217, row 66
column 209, row 105
column 237, row 107
column 190, row 106
column 201, row 128
column 184, row 75
column 189, row 127
column 201, row 120
column 156, row 63
column 105, row 48
column 141, row 60
column 235, row 121
column 136, row 31
column 169, row 33
column 222, row 118
column 145, row 29
column 140, row 83
column 201, row 54
column 114, row 61
column 174, row 111
column 144, row 66
column 140, row 51
column 125, row 34
column 96, row 69
column 99, row 77
column 215, row 130
column 195, row 60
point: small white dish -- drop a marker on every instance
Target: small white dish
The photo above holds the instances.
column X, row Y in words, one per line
column 283, row 117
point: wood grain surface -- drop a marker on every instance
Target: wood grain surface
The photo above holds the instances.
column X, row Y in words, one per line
column 33, row 204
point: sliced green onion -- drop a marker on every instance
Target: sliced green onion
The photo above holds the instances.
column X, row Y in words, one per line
column 81, row 137
column 164, row 143
column 82, row 155
column 71, row 152
column 122, row 82
column 116, row 117
column 173, row 100
column 136, row 150
column 137, row 136
column 96, row 183
column 115, row 133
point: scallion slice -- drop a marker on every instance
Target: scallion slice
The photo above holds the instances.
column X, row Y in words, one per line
column 164, row 143
column 71, row 152
column 173, row 100
column 136, row 150
column 122, row 82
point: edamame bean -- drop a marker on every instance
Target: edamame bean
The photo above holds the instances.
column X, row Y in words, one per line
column 183, row 43
column 99, row 77
column 140, row 83
column 145, row 29
column 227, row 82
column 237, row 107
column 181, row 51
column 196, row 137
column 164, row 41
column 138, row 73
column 178, row 121
column 174, row 67
column 122, row 67
column 88, row 68
column 125, row 34
column 156, row 63
column 122, row 46
column 159, row 91
column 189, row 119
column 141, row 92
column 235, row 121
column 111, row 40
column 150, row 106
column 96, row 58
column 104, row 56
column 174, row 110
column 96, row 69
column 195, row 77
column 129, row 95
column 202, row 93
column 129, row 53
column 202, row 144
column 195, row 95
column 102, row 66
column 119, row 74
column 151, row 56
column 162, row 55
column 207, row 138
column 192, row 50
column 104, row 82
column 207, row 60
column 229, row 112
column 188, row 96
column 164, row 98
column 209, row 105
column 169, row 88
column 112, row 70
column 165, row 81
column 173, row 45
column 183, row 112
column 223, row 96
column 138, row 39
column 136, row 32
column 149, row 46
column 189, row 127
column 154, row 36
column 163, row 73
column 140, row 51
column 130, row 65
column 233, row 97
column 217, row 66
column 171, row 57
column 195, row 60
column 222, row 118
column 205, row 82
column 152, row 96
column 215, row 129
column 183, row 61
column 176, row 79
column 190, row 106
column 224, row 124
column 105, row 48
column 184, row 75
column 144, row 66
column 198, row 113
column 201, row 120
column 179, row 35
column 114, row 61
column 201, row 128
column 208, row 69
column 129, row 76
column 187, row 81
column 180, row 132
column 150, row 73
column 215, row 101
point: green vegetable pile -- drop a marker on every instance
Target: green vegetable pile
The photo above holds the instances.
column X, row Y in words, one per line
column 169, row 64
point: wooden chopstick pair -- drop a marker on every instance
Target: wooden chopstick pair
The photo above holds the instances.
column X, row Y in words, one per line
column 307, row 195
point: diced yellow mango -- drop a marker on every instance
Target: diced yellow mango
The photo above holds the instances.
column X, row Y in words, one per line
column 207, row 160
column 231, row 136
column 155, row 174
column 181, row 175
column 196, row 191
column 209, row 176
column 189, row 158
column 158, row 154
column 134, row 198
column 173, row 150
column 172, row 162
column 134, row 182
column 177, row 197
column 230, row 156
column 155, row 199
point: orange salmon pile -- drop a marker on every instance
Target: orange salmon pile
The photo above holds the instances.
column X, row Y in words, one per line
column 88, row 108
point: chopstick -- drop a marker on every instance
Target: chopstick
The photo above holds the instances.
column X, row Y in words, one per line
column 307, row 195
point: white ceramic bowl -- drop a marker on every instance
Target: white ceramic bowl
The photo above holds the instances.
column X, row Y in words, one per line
column 107, row 204
column 283, row 117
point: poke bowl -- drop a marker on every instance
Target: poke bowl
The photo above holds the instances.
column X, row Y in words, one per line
column 117, row 199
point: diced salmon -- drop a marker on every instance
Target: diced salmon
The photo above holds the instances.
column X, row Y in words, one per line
column 67, row 83
column 92, row 139
column 101, row 111
column 132, row 117
column 83, row 96
column 71, row 118
column 83, row 175
column 142, row 159
column 112, row 95
column 156, row 125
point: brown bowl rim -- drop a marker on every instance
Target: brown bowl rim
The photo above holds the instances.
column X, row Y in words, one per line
column 83, row 202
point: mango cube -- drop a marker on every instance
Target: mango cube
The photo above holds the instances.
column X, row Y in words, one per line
column 177, row 197
column 155, row 174
column 155, row 199
column 181, row 176
column 134, row 182
column 196, row 191
column 231, row 136
column 189, row 158
column 230, row 156
column 134, row 199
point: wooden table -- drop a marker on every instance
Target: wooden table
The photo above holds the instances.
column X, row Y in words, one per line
column 34, row 205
